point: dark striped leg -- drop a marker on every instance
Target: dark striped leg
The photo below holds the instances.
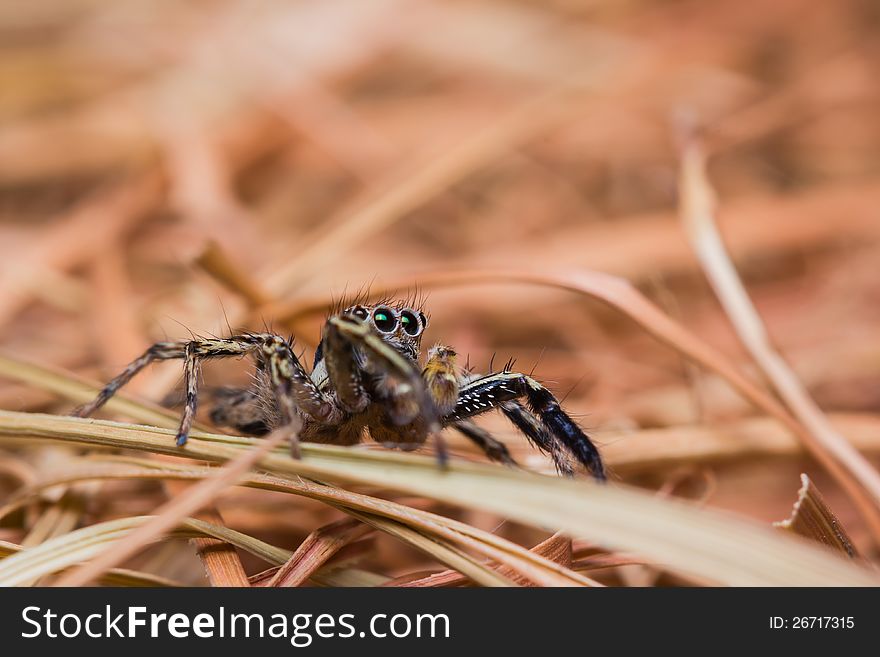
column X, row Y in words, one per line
column 494, row 448
column 491, row 391
column 538, row 435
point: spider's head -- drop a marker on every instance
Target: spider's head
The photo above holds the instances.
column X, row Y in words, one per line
column 399, row 325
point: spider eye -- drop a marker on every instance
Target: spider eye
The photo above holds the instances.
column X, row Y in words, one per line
column 385, row 320
column 361, row 313
column 410, row 323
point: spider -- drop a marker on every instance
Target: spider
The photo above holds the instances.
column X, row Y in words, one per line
column 366, row 379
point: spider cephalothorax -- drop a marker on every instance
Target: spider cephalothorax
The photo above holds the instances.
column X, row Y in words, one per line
column 366, row 381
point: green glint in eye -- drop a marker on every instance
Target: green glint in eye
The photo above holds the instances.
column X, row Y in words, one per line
column 410, row 323
column 384, row 320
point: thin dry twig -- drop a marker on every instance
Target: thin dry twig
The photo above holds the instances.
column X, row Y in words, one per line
column 851, row 470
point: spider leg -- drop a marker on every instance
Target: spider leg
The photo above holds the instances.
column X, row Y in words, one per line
column 159, row 351
column 494, row 448
column 404, row 388
column 291, row 385
column 403, row 373
column 538, row 435
column 240, row 409
column 491, row 391
column 342, row 369
column 191, row 383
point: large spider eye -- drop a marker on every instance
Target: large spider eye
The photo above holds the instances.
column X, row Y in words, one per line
column 384, row 319
column 410, row 323
column 361, row 313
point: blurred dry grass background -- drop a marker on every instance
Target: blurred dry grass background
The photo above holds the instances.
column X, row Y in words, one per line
column 185, row 166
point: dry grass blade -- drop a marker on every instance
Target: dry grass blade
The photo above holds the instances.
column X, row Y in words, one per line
column 348, row 578
column 168, row 516
column 602, row 561
column 69, row 549
column 429, row 580
column 59, row 518
column 114, row 577
column 18, row 469
column 557, row 548
column 222, row 565
column 706, row 544
column 852, row 471
column 317, row 549
column 440, row 548
column 221, row 562
column 529, row 565
column 639, row 450
column 811, row 517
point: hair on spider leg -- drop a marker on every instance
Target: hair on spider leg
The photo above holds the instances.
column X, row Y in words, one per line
column 181, row 325
column 537, row 361
column 572, row 389
column 225, row 316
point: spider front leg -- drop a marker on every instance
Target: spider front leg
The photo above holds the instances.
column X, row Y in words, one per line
column 401, row 378
column 494, row 448
column 488, row 392
column 398, row 381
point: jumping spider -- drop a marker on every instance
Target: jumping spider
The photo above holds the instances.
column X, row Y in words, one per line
column 366, row 379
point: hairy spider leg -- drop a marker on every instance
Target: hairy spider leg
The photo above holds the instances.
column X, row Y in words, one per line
column 384, row 359
column 538, row 435
column 406, row 390
column 240, row 409
column 291, row 384
column 338, row 351
column 191, row 385
column 494, row 448
column 489, row 392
